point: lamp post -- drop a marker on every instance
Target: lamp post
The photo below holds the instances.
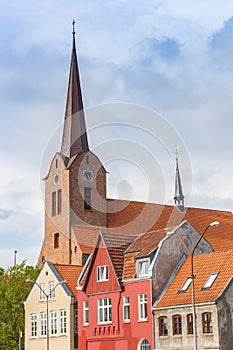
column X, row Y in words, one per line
column 191, row 253
column 47, row 304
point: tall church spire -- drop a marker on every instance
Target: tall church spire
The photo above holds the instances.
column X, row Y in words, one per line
column 74, row 133
column 178, row 197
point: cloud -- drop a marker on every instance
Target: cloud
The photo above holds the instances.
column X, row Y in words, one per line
column 4, row 214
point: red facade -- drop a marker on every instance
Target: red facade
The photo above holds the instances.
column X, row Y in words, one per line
column 110, row 310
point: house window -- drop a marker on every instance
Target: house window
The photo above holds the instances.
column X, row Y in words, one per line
column 53, row 203
column 87, row 198
column 143, row 267
column 143, row 345
column 43, row 324
column 53, row 322
column 59, row 202
column 190, row 323
column 42, row 295
column 105, row 310
column 63, row 321
column 56, row 241
column 177, row 324
column 85, row 313
column 163, row 326
column 52, row 293
column 126, row 309
column 84, row 258
column 207, row 324
column 33, row 326
column 102, row 273
column 210, row 280
column 142, row 307
column 185, row 285
column 75, row 319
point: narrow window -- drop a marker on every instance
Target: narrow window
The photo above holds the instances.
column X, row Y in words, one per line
column 84, row 258
column 56, row 241
column 56, row 163
column 62, row 321
column 53, row 322
column 33, row 326
column 142, row 307
column 41, row 295
column 126, row 309
column 177, row 324
column 207, row 324
column 105, row 310
column 85, row 313
column 87, row 159
column 87, row 198
column 163, row 326
column 190, row 323
column 102, row 273
column 43, row 324
column 59, row 202
column 53, row 203
column 52, row 292
column 75, row 319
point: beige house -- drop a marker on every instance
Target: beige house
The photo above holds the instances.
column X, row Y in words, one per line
column 52, row 299
column 173, row 313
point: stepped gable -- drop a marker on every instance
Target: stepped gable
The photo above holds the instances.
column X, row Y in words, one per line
column 70, row 274
column 204, row 266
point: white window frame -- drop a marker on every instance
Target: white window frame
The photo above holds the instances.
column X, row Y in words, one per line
column 142, row 307
column 85, row 313
column 53, row 322
column 143, row 266
column 52, row 292
column 126, row 309
column 63, row 321
column 43, row 324
column 102, row 273
column 210, row 280
column 105, row 311
column 186, row 284
column 144, row 344
column 33, row 326
column 41, row 295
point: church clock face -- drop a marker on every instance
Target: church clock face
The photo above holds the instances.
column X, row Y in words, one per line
column 88, row 175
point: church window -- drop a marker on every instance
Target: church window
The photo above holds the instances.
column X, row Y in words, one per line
column 56, row 163
column 59, row 202
column 53, row 203
column 87, row 159
column 56, row 240
column 87, row 198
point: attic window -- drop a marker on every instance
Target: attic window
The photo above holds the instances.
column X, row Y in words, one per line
column 102, row 273
column 143, row 267
column 185, row 285
column 210, row 280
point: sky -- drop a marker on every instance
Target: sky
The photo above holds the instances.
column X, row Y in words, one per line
column 163, row 68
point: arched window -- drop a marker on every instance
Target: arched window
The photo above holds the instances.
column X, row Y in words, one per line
column 163, row 326
column 207, row 324
column 56, row 240
column 143, row 345
column 177, row 324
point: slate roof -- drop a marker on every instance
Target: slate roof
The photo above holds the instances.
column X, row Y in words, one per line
column 69, row 273
column 204, row 265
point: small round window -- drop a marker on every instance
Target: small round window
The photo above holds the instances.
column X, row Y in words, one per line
column 56, row 178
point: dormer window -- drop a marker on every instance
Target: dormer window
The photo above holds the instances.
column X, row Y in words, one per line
column 102, row 273
column 143, row 267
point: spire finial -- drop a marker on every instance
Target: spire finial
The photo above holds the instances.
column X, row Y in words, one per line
column 73, row 25
column 179, row 197
column 176, row 152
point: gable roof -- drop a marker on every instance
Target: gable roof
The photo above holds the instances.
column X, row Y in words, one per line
column 69, row 273
column 204, row 266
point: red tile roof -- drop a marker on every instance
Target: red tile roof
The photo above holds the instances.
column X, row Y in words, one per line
column 204, row 265
column 69, row 273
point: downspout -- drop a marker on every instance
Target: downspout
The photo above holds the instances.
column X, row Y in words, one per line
column 118, row 309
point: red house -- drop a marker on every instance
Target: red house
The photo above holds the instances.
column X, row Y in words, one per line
column 114, row 304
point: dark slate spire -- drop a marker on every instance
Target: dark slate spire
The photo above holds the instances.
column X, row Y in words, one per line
column 179, row 197
column 74, row 133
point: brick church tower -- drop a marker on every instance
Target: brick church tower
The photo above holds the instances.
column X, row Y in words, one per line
column 75, row 187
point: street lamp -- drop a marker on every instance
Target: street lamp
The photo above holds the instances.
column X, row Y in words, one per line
column 191, row 253
column 47, row 303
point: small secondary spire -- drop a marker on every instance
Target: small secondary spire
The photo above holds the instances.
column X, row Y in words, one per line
column 178, row 197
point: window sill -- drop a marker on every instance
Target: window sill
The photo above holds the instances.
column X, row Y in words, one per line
column 104, row 323
column 85, row 324
column 163, row 335
column 208, row 334
column 177, row 335
column 126, row 321
column 143, row 320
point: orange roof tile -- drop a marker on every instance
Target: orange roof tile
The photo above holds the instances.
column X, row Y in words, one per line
column 204, row 265
column 69, row 273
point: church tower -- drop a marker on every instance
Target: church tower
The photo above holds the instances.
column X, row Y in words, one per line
column 178, row 197
column 75, row 187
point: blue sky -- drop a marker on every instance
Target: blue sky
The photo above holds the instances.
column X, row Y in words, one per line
column 173, row 57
